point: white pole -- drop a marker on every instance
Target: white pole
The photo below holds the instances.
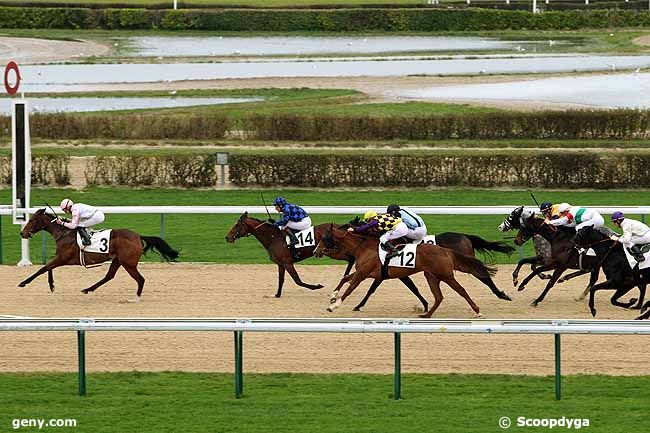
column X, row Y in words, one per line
column 175, row 4
column 535, row 6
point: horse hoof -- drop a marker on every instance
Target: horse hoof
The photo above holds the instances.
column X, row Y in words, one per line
column 515, row 282
column 22, row 284
column 479, row 316
column 134, row 301
column 319, row 286
column 52, row 289
column 276, row 295
column 593, row 312
column 356, row 309
column 330, row 309
column 505, row 296
column 85, row 291
column 534, row 304
column 519, row 289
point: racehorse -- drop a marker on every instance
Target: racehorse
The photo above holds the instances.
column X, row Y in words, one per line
column 437, row 263
column 273, row 240
column 463, row 243
column 564, row 255
column 620, row 277
column 125, row 249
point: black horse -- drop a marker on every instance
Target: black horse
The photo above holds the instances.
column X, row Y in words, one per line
column 620, row 276
column 564, row 255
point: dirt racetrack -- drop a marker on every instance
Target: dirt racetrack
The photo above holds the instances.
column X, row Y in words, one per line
column 185, row 290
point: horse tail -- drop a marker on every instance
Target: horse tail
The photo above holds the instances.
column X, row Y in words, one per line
column 486, row 247
column 472, row 265
column 153, row 243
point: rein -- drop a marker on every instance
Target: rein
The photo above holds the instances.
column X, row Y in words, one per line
column 609, row 250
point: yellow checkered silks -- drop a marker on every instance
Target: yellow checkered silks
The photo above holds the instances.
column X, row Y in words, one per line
column 387, row 222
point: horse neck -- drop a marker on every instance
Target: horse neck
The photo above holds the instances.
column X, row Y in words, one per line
column 262, row 232
column 56, row 230
column 351, row 243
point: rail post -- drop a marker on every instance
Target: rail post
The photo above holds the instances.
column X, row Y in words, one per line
column 239, row 355
column 1, row 262
column 558, row 373
column 397, row 385
column 81, row 350
column 642, row 220
column 162, row 226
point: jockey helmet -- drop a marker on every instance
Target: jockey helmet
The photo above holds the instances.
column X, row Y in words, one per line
column 563, row 207
column 66, row 203
column 618, row 216
column 392, row 209
column 546, row 206
column 279, row 201
column 369, row 215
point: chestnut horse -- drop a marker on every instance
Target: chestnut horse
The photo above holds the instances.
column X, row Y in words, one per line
column 437, row 263
column 273, row 240
column 125, row 249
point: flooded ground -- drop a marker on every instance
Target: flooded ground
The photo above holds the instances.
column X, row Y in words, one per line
column 51, row 78
column 49, row 105
column 607, row 91
column 296, row 46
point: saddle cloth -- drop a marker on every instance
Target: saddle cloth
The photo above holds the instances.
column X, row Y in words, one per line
column 100, row 242
column 404, row 259
column 630, row 259
column 428, row 239
column 305, row 238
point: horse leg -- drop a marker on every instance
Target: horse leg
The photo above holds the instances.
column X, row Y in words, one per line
column 592, row 280
column 520, row 263
column 408, row 282
column 499, row 293
column 541, row 275
column 50, row 280
column 607, row 285
column 336, row 290
column 296, row 278
column 54, row 263
column 281, row 271
column 642, row 288
column 371, row 290
column 137, row 276
column 355, row 279
column 572, row 275
column 349, row 267
column 434, row 285
column 455, row 285
column 112, row 270
column 619, row 293
column 532, row 275
column 550, row 284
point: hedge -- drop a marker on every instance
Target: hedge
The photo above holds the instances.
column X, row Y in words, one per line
column 161, row 171
column 127, row 126
column 575, row 124
column 343, row 20
column 46, row 170
column 539, row 169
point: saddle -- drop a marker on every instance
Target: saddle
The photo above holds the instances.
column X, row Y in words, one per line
column 644, row 248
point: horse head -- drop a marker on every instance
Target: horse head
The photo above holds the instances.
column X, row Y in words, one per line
column 38, row 221
column 528, row 227
column 512, row 220
column 326, row 243
column 240, row 229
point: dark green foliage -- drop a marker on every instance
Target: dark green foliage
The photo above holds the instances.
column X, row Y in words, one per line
column 46, row 170
column 342, row 20
column 445, row 169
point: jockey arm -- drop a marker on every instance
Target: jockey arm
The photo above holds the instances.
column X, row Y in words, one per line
column 562, row 221
column 283, row 221
column 366, row 226
column 74, row 222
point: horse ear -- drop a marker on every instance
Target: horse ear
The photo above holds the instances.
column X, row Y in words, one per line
column 245, row 214
column 331, row 226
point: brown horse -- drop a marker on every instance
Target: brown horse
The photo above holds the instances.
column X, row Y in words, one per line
column 125, row 249
column 437, row 263
column 272, row 239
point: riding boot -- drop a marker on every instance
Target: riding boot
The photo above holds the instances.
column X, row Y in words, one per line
column 293, row 240
column 391, row 250
column 294, row 252
column 85, row 237
column 636, row 253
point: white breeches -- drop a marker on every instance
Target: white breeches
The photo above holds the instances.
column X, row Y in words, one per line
column 400, row 230
column 298, row 226
column 638, row 240
column 97, row 218
column 417, row 234
column 595, row 219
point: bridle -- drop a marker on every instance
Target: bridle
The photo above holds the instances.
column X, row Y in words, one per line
column 240, row 223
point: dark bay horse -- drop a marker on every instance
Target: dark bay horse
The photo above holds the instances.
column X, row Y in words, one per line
column 620, row 277
column 273, row 240
column 125, row 249
column 564, row 254
column 437, row 263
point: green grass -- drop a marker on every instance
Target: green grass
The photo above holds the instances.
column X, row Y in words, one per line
column 191, row 233
column 304, row 403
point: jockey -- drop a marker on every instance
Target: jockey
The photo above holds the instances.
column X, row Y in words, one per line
column 417, row 228
column 576, row 216
column 635, row 233
column 294, row 218
column 549, row 210
column 390, row 226
column 83, row 216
